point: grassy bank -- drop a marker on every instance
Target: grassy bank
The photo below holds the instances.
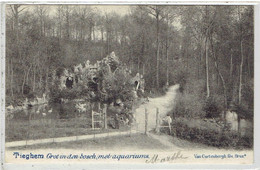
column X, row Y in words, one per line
column 50, row 128
column 211, row 133
column 135, row 142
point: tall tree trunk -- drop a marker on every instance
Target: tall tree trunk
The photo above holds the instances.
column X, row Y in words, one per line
column 132, row 59
column 27, row 78
column 240, row 73
column 90, row 32
column 167, row 56
column 16, row 17
column 242, row 60
column 143, row 69
column 41, row 25
column 94, row 37
column 81, row 33
column 102, row 35
column 16, row 27
column 107, row 42
column 46, row 80
column 27, row 75
column 60, row 24
column 12, row 78
column 206, row 56
column 240, row 70
column 141, row 52
column 219, row 73
column 239, row 125
column 53, row 32
column 116, row 36
column 44, row 28
column 248, row 67
column 231, row 66
column 8, row 70
column 207, row 67
column 101, row 52
column 67, row 23
column 23, row 81
column 34, row 77
column 40, row 81
column 200, row 60
column 59, row 30
column 138, row 64
column 158, row 52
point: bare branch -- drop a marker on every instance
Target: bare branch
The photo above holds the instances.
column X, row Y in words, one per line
column 151, row 7
column 12, row 9
column 22, row 9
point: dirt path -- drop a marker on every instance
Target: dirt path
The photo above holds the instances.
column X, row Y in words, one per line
column 173, row 143
column 164, row 104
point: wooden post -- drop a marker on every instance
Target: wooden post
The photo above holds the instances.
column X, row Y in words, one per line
column 146, row 121
column 65, row 125
column 100, row 116
column 130, row 130
column 92, row 113
column 75, row 126
column 94, row 134
column 105, row 115
column 157, row 129
column 27, row 134
column 54, row 129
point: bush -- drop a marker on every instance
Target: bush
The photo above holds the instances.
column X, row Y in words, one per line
column 248, row 94
column 213, row 106
column 118, row 86
column 223, row 139
column 192, row 102
column 189, row 105
column 102, row 85
column 243, row 111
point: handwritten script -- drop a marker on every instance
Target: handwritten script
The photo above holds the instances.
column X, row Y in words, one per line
column 175, row 156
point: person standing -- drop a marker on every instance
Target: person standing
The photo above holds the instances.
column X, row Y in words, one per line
column 168, row 120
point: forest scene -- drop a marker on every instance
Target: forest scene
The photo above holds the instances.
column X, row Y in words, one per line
column 193, row 65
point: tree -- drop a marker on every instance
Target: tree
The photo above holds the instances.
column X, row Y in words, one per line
column 196, row 46
column 242, row 56
column 157, row 12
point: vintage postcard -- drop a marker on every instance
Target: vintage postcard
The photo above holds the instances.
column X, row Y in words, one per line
column 129, row 84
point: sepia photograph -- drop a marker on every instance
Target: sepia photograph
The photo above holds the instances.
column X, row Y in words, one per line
column 129, row 84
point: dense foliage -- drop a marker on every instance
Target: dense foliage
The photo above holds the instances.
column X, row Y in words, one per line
column 215, row 138
column 208, row 50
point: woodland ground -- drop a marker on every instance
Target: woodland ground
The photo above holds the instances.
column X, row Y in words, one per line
column 38, row 127
column 151, row 141
column 48, row 128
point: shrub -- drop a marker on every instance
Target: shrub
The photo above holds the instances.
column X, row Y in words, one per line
column 101, row 85
column 192, row 102
column 223, row 139
column 189, row 105
column 213, row 106
column 248, row 94
column 118, row 86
